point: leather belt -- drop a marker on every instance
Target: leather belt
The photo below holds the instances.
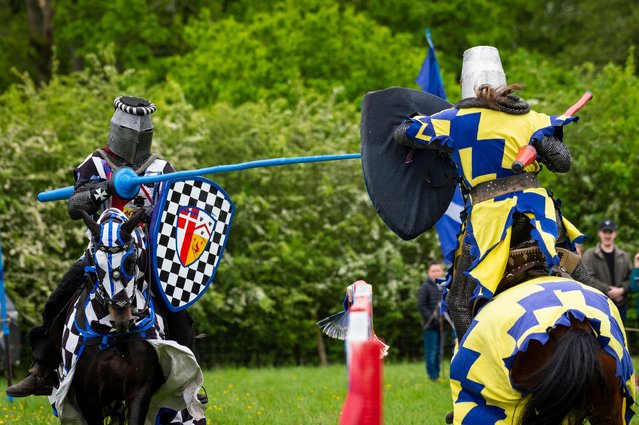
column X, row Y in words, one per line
column 502, row 186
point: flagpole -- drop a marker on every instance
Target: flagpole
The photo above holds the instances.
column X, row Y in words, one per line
column 5, row 323
column 438, row 75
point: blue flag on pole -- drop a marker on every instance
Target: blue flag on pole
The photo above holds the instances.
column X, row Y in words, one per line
column 429, row 77
column 449, row 225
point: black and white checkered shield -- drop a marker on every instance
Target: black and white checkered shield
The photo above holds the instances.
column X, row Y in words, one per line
column 189, row 229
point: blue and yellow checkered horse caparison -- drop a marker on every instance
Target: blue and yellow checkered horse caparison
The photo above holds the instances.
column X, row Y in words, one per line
column 482, row 390
column 484, row 144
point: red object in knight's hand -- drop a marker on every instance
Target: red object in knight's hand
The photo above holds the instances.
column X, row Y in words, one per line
column 526, row 156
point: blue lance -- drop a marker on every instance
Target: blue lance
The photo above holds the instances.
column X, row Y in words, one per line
column 127, row 183
column 5, row 323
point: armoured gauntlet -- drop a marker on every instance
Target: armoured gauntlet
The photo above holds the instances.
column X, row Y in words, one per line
column 89, row 198
column 553, row 153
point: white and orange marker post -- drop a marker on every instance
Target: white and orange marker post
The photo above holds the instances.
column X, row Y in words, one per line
column 363, row 404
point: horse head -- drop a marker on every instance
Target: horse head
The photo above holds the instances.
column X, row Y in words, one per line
column 117, row 250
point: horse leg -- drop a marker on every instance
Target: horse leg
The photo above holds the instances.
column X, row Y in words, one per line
column 139, row 404
column 611, row 400
column 144, row 360
column 89, row 407
column 86, row 386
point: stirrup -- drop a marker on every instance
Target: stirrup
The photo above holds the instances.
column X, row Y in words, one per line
column 203, row 398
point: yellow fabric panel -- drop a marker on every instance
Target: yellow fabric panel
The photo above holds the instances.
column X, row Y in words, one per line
column 490, row 270
column 516, row 130
column 466, row 157
column 481, row 179
column 442, row 127
column 571, row 231
column 420, row 134
column 489, row 220
column 499, row 125
column 538, row 120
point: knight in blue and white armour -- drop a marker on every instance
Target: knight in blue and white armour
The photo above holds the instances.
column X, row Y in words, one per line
column 128, row 145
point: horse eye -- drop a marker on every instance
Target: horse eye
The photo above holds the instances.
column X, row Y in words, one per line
column 129, row 264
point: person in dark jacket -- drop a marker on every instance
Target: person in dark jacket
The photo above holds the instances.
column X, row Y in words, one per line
column 428, row 302
column 634, row 280
column 610, row 267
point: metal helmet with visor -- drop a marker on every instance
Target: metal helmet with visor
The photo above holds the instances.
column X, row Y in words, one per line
column 131, row 129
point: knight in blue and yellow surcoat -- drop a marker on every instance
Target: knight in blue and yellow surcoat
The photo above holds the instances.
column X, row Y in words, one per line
column 504, row 209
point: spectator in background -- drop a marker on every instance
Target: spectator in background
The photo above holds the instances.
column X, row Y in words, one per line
column 428, row 302
column 610, row 267
column 634, row 280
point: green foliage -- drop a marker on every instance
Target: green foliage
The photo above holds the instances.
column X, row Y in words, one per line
column 14, row 46
column 602, row 182
column 289, row 52
column 454, row 24
column 146, row 32
column 572, row 32
column 140, row 30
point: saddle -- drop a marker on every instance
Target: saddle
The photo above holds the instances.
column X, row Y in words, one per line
column 528, row 262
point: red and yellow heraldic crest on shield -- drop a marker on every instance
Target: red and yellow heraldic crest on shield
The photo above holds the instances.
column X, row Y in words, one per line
column 194, row 230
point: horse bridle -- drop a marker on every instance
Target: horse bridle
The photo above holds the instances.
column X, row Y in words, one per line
column 100, row 292
column 119, row 272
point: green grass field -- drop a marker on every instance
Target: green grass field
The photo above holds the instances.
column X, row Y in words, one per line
column 302, row 395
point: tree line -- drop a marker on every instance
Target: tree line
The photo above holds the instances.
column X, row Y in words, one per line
column 246, row 80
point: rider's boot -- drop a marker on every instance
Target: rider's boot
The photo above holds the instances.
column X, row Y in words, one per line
column 449, row 418
column 40, row 381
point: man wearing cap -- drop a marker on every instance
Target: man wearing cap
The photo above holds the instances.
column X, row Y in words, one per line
column 128, row 145
column 609, row 266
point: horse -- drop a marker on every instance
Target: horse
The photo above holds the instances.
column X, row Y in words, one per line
column 116, row 371
column 111, row 366
column 547, row 351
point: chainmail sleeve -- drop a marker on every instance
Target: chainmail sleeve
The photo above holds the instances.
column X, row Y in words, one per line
column 553, row 153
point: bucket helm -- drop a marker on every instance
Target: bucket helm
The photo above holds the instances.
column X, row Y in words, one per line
column 131, row 130
column 481, row 65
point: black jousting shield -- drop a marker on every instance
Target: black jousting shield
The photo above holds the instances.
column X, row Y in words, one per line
column 409, row 197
